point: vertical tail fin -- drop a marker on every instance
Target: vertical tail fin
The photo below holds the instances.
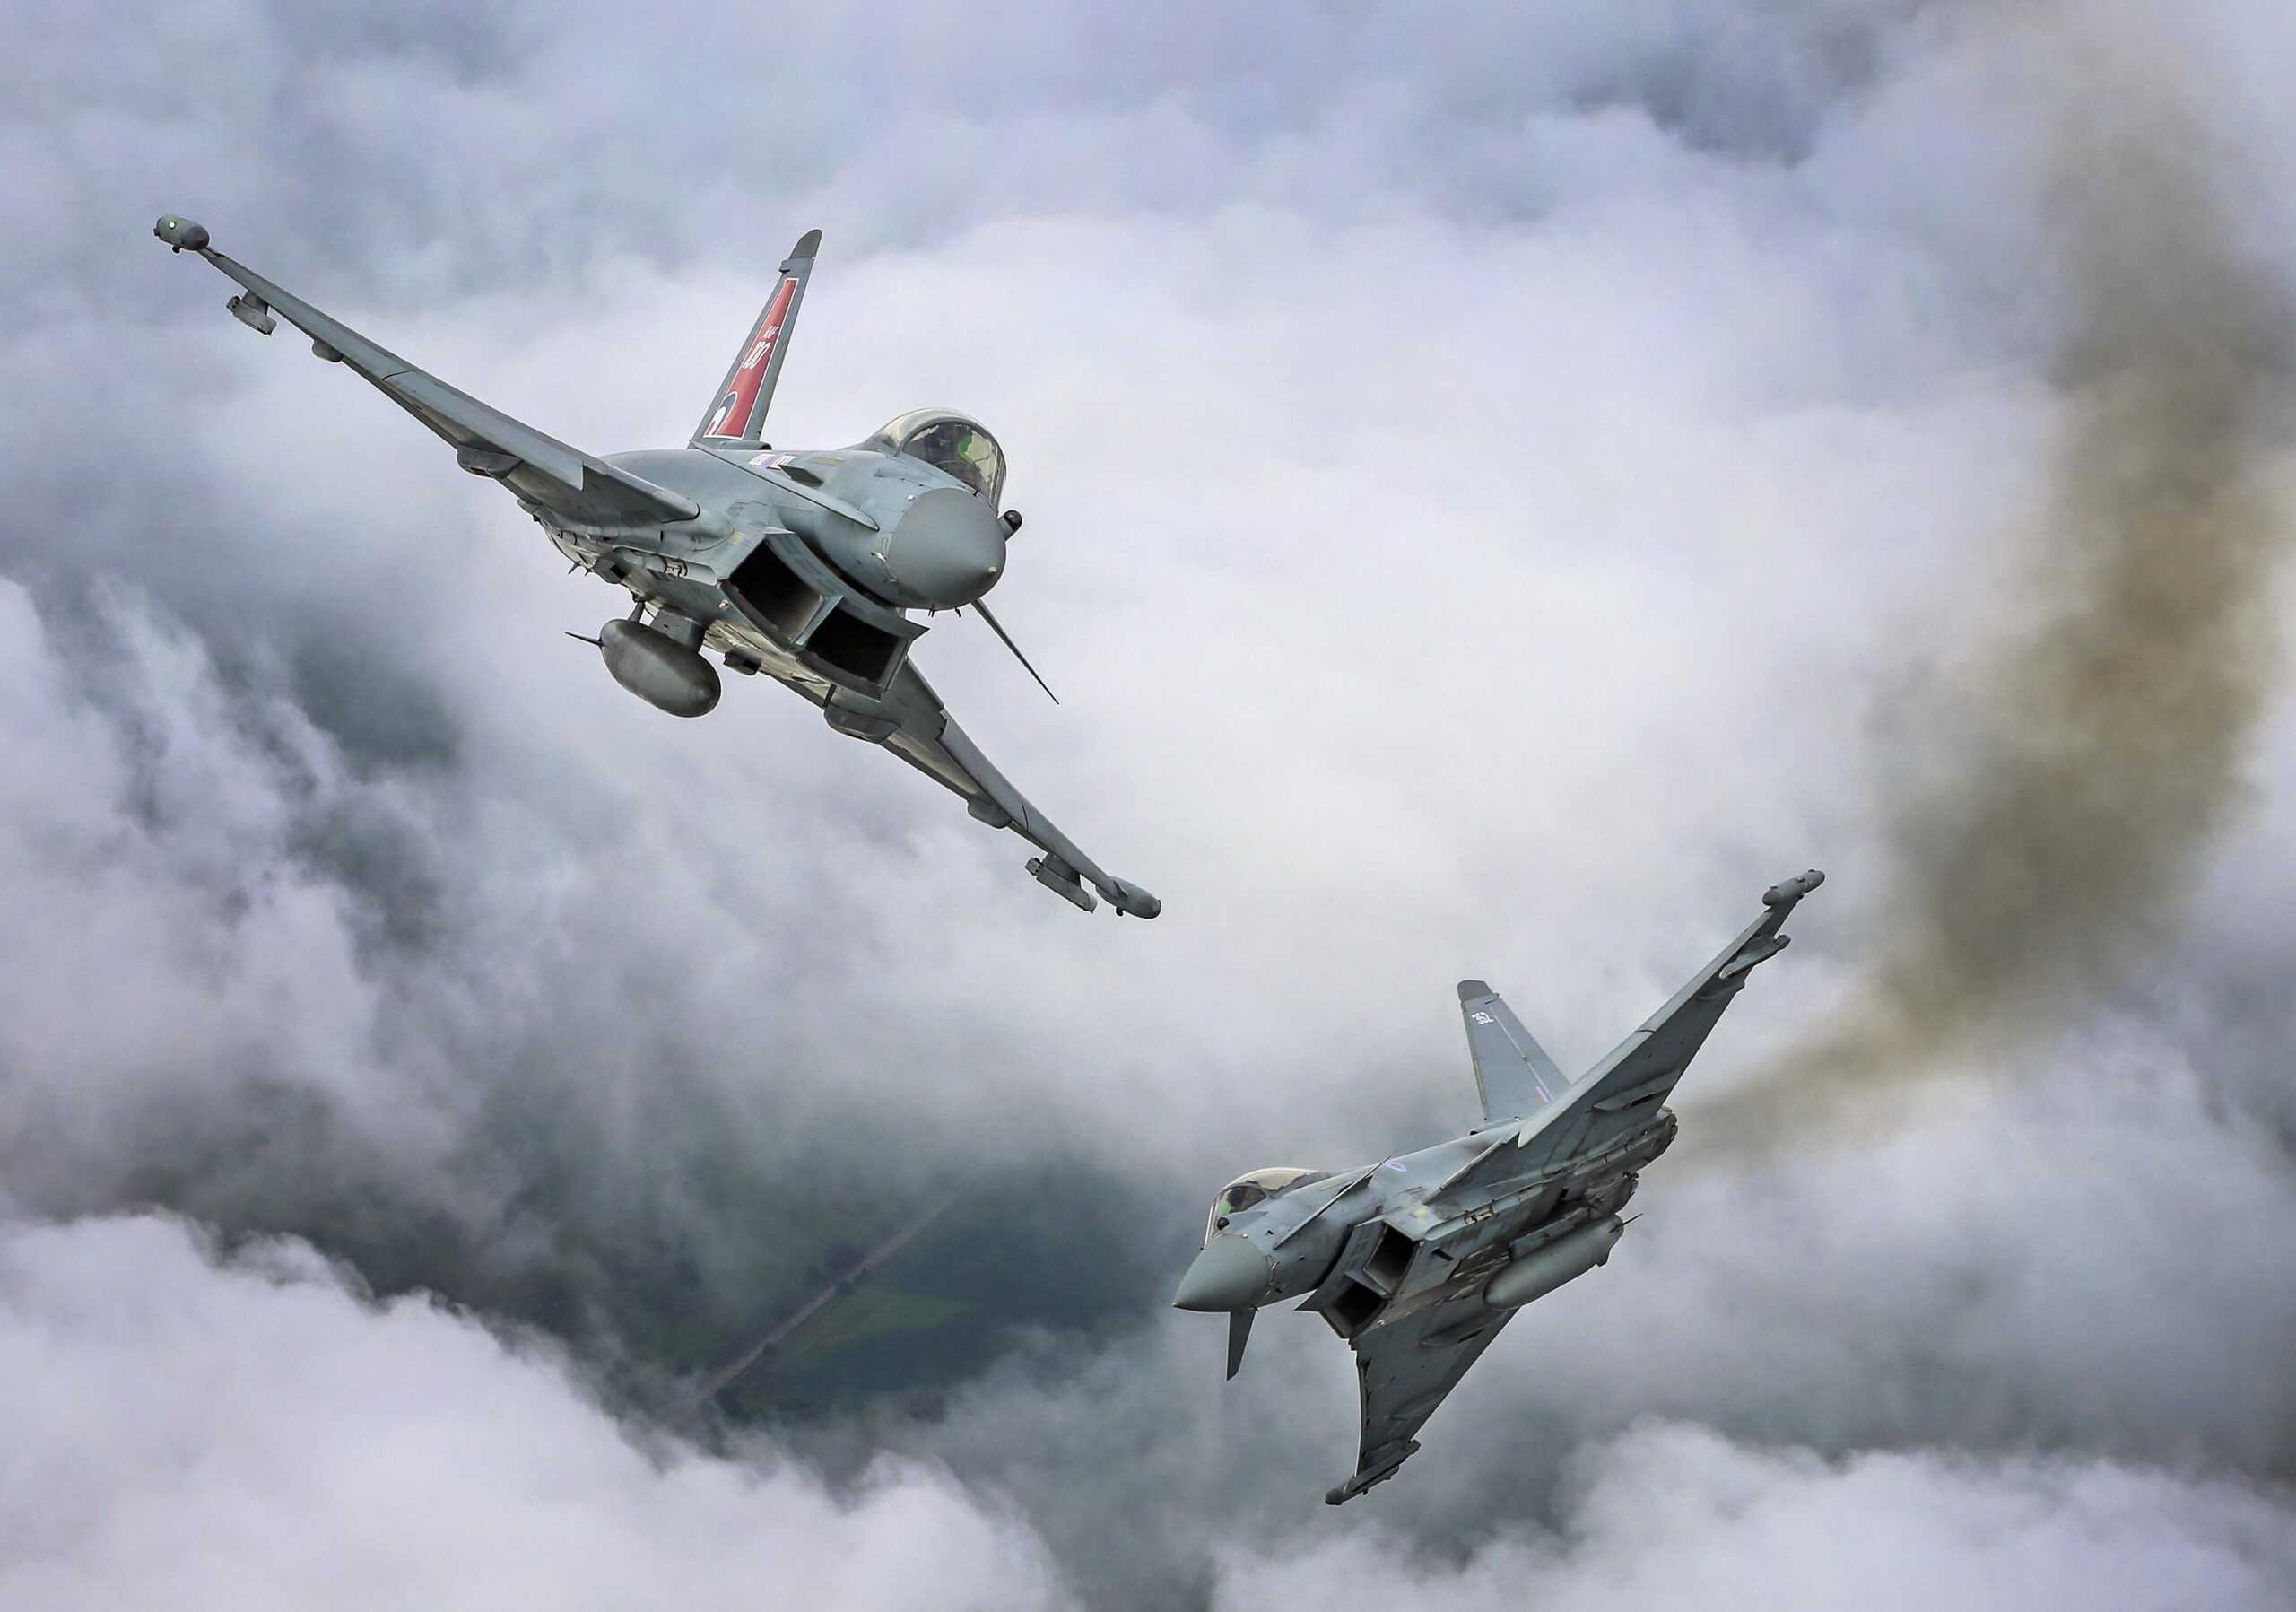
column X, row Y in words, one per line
column 736, row 414
column 1513, row 1072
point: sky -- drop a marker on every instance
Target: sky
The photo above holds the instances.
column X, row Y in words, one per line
column 1501, row 489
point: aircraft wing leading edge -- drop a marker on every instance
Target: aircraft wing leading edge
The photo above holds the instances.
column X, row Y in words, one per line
column 539, row 469
column 1618, row 1095
column 1402, row 1379
column 584, row 490
column 1405, row 1368
column 928, row 739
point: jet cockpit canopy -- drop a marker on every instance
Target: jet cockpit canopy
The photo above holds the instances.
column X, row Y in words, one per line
column 1253, row 1187
column 948, row 442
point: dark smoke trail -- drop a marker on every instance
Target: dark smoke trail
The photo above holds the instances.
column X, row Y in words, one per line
column 2049, row 803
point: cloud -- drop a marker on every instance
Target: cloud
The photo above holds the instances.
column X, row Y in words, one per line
column 341, row 1449
column 1498, row 496
column 2011, row 1276
column 2053, row 794
column 1673, row 1513
column 212, row 1433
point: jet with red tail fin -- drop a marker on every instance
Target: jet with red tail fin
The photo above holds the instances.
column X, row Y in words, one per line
column 818, row 568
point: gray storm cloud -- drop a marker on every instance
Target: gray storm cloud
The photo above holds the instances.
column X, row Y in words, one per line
column 457, row 1465
column 368, row 1454
column 2046, row 801
column 1447, row 451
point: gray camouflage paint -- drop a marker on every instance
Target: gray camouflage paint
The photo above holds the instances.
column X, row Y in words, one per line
column 803, row 566
column 1419, row 1260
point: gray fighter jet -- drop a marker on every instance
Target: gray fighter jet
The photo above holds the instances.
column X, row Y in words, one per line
column 1419, row 1260
column 805, row 566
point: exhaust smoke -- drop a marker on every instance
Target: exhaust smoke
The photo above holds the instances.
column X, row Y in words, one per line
column 2045, row 808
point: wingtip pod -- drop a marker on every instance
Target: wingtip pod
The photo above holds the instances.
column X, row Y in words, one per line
column 1378, row 1471
column 1131, row 900
column 181, row 234
column 1792, row 890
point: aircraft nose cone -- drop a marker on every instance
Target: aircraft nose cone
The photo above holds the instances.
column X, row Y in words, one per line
column 1227, row 1275
column 946, row 550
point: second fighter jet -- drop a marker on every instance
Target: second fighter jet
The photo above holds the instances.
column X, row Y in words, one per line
column 1420, row 1259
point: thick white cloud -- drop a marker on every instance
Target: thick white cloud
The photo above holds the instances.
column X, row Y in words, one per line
column 195, row 1433
column 218, row 1430
column 1669, row 1515
column 1498, row 495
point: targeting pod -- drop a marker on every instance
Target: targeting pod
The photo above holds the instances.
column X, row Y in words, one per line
column 1793, row 890
column 1134, row 901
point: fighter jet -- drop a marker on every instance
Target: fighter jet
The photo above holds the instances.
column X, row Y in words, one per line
column 1419, row 1260
column 806, row 566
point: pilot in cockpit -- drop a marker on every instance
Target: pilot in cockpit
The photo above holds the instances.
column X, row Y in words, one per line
column 1250, row 1191
column 957, row 447
column 1243, row 1195
column 949, row 442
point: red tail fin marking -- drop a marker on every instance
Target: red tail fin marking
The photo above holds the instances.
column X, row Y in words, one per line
column 735, row 409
